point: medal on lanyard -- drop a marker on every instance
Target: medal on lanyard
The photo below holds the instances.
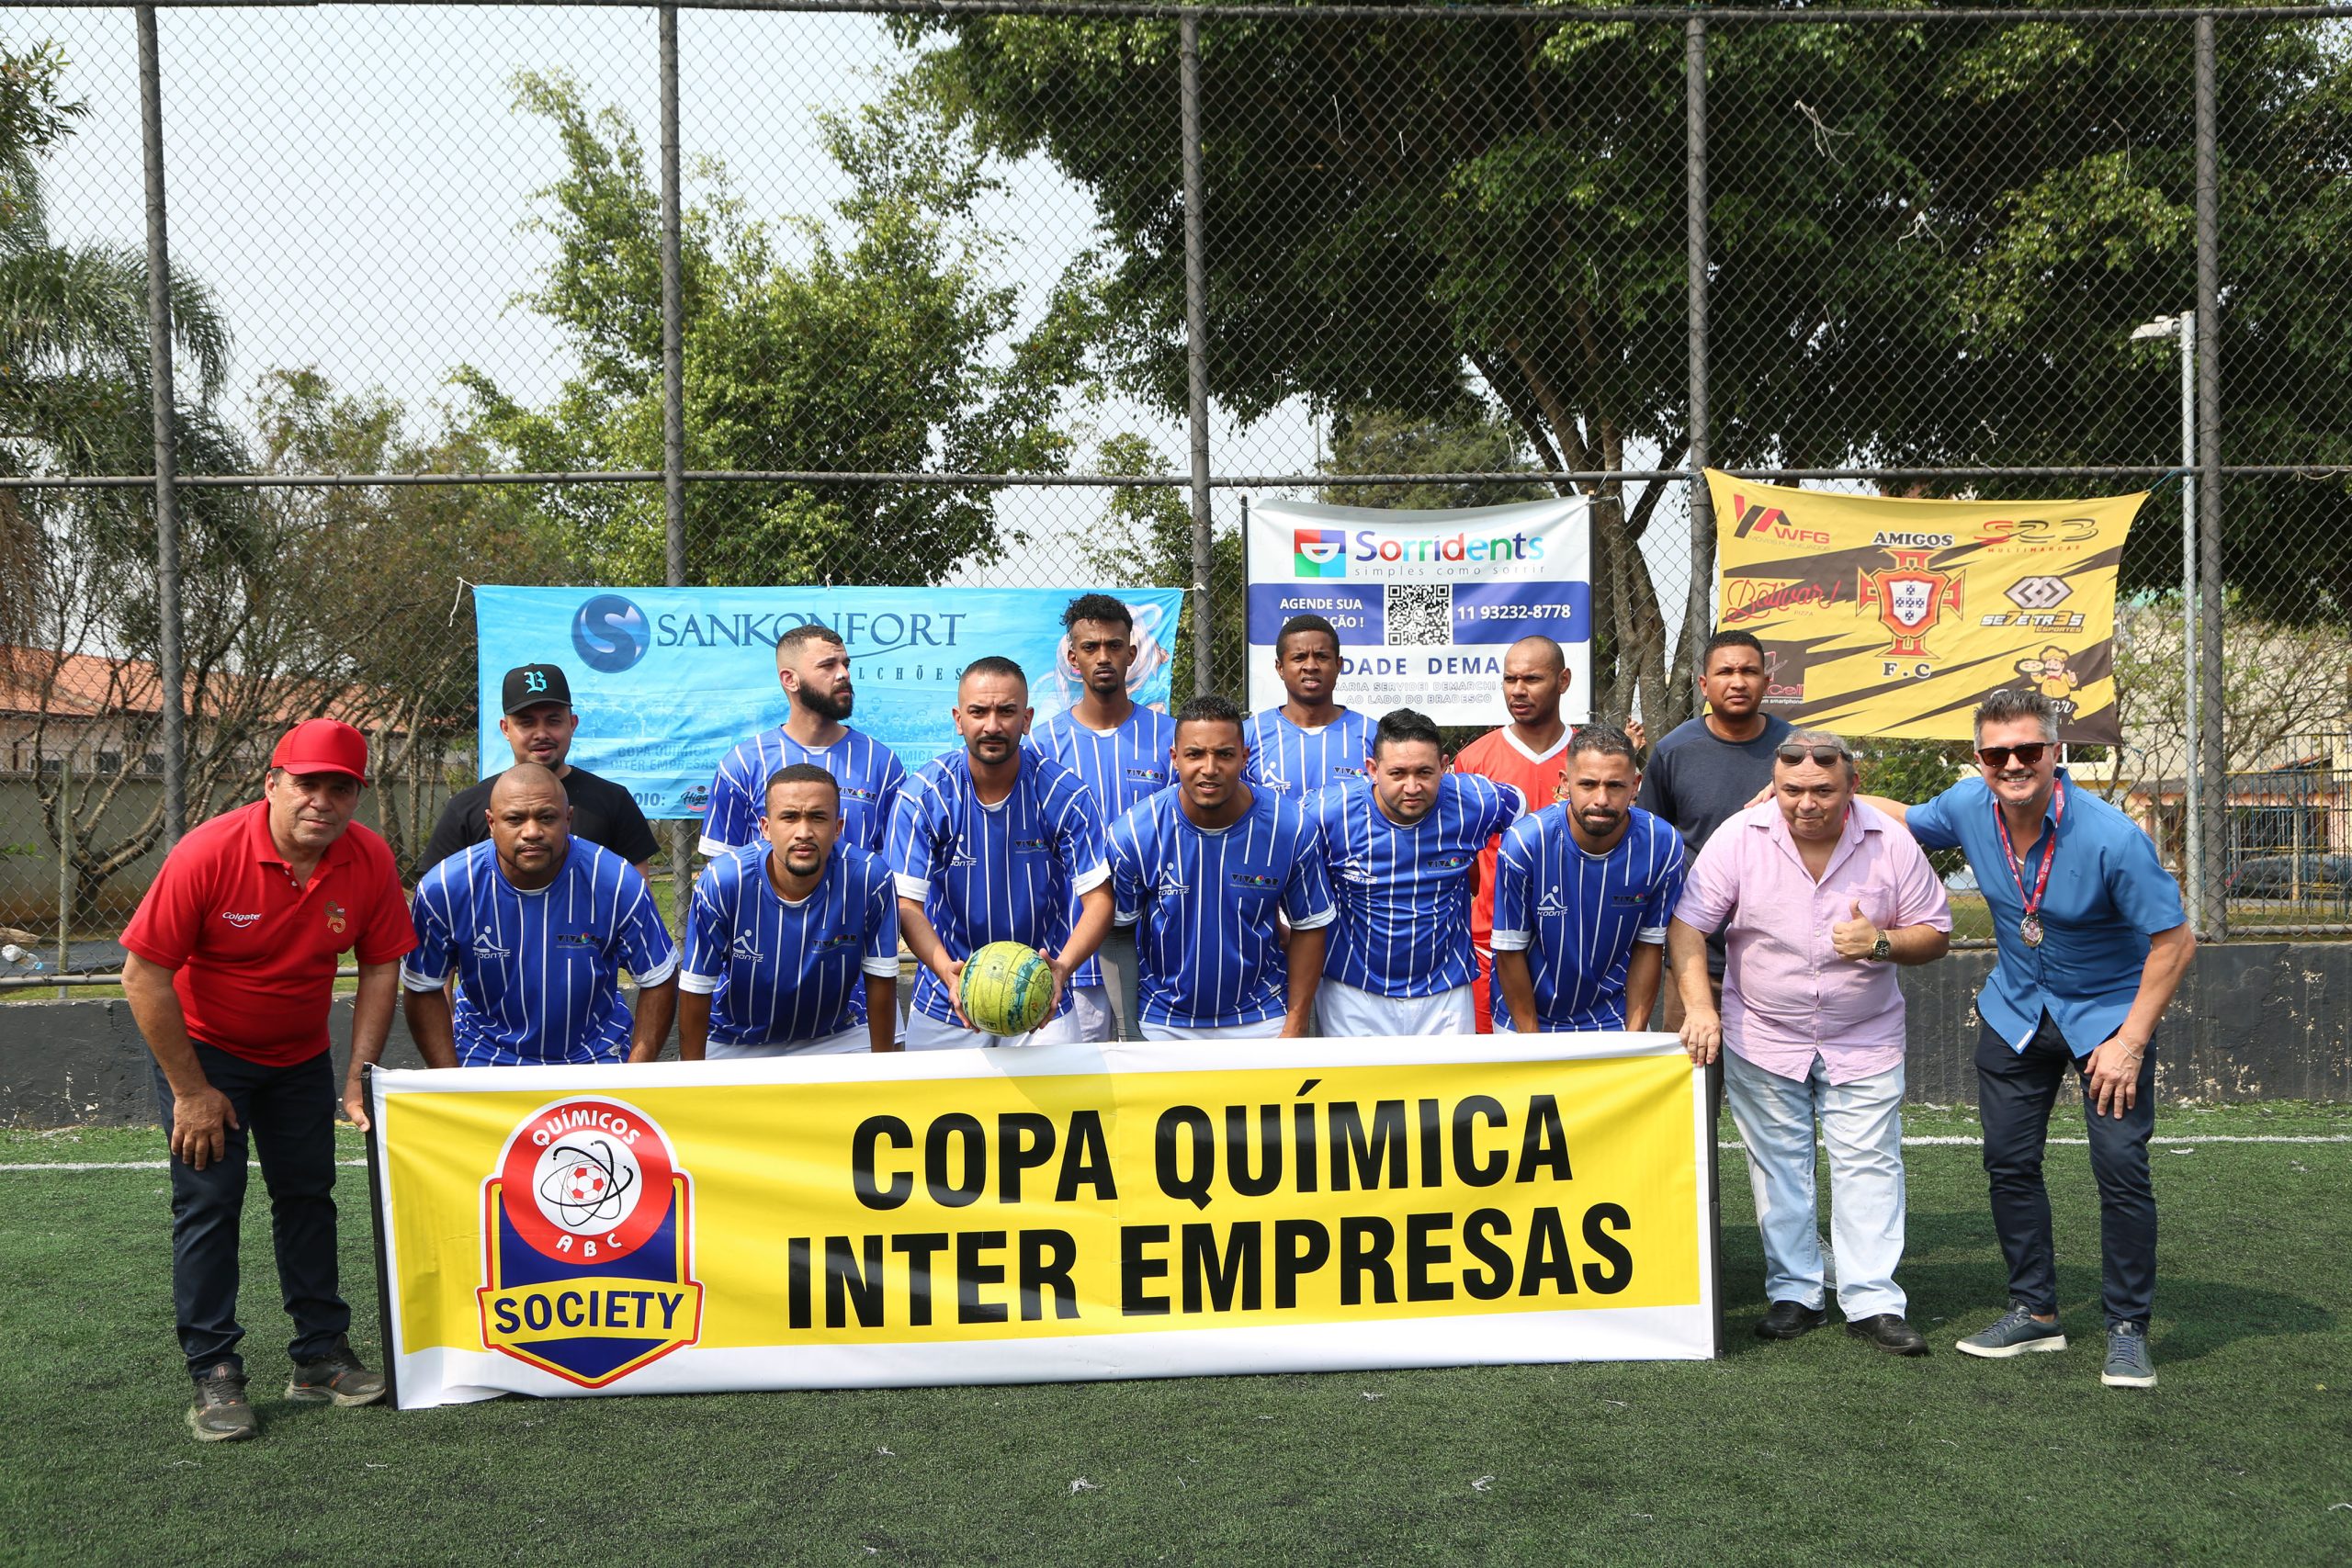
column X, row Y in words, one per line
column 2029, row 923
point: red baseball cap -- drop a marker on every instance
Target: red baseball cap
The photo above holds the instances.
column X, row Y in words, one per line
column 322, row 746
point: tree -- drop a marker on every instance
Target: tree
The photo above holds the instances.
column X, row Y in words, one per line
column 1145, row 535
column 1470, row 438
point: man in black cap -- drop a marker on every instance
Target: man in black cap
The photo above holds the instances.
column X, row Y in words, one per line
column 539, row 726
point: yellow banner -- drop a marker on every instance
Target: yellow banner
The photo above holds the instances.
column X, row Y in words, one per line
column 1066, row 1212
column 1896, row 617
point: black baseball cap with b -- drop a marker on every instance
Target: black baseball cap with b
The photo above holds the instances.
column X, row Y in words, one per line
column 531, row 684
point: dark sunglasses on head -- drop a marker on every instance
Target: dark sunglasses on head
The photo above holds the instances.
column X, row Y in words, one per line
column 2026, row 755
column 1824, row 755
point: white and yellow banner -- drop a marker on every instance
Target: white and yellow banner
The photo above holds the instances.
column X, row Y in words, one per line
column 1062, row 1212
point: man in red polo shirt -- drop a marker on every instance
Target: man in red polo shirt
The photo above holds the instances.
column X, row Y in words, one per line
column 230, row 975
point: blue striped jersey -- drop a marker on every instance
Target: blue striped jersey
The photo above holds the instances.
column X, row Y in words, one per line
column 1119, row 767
column 1576, row 916
column 539, row 973
column 1404, row 893
column 1009, row 871
column 1208, row 951
column 870, row 775
column 785, row 974
column 1296, row 763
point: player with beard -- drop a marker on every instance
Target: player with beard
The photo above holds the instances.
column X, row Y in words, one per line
column 1310, row 742
column 1584, row 893
column 812, row 666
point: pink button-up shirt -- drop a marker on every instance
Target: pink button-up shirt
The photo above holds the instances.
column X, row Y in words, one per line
column 1787, row 994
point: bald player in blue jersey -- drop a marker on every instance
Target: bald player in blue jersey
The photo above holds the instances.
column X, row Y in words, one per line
column 792, row 942
column 1119, row 750
column 1402, row 850
column 1584, row 892
column 1209, row 871
column 1310, row 742
column 812, row 666
column 995, row 842
column 536, row 926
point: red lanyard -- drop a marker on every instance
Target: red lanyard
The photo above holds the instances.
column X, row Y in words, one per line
column 2049, row 852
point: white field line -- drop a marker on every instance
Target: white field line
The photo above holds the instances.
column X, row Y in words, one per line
column 1925, row 1141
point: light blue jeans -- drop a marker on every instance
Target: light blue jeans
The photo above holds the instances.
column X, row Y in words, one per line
column 1861, row 1124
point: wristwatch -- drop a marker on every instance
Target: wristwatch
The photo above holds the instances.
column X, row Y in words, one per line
column 1883, row 949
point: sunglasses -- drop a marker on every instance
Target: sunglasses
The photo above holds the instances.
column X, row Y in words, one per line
column 2026, row 755
column 1823, row 755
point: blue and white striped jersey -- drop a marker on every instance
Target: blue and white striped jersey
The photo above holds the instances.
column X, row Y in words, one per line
column 785, row 974
column 1296, row 763
column 1404, row 893
column 1119, row 767
column 1576, row 916
column 1009, row 871
column 539, row 973
column 870, row 775
column 1208, row 951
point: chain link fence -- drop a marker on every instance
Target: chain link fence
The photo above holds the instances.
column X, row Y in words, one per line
column 983, row 292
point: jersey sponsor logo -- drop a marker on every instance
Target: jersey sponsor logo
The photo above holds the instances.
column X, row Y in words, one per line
column 1351, row 870
column 1453, row 862
column 240, row 921
column 839, row 939
column 1551, row 906
column 1028, row 846
column 486, row 945
column 1256, row 881
column 1171, row 885
column 336, row 918
column 1345, row 772
column 587, row 1226
column 747, row 946
column 575, row 941
column 852, row 791
column 1148, row 775
column 1628, row 900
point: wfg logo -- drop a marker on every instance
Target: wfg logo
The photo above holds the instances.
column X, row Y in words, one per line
column 588, row 1247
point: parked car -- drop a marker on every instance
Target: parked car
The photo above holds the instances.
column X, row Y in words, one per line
column 2279, row 876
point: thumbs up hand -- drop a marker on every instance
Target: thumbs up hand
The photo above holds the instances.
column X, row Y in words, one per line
column 1854, row 937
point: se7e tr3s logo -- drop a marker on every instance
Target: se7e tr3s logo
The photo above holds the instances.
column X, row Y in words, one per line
column 588, row 1245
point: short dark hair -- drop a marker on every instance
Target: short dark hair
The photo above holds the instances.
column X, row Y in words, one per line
column 2004, row 705
column 1724, row 640
column 1603, row 740
column 800, row 772
column 1298, row 624
column 994, row 664
column 1104, row 607
column 1210, row 708
column 1399, row 725
column 791, row 639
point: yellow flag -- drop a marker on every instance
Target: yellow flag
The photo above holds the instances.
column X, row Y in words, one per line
column 1896, row 617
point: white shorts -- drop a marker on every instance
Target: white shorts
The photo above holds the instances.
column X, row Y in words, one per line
column 1090, row 1005
column 1343, row 1012
column 925, row 1032
column 1264, row 1029
column 854, row 1038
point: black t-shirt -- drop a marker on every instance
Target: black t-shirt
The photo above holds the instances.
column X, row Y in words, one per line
column 602, row 812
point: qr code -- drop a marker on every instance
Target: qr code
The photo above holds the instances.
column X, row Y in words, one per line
column 1420, row 614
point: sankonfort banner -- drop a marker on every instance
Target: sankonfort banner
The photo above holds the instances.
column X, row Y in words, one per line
column 1424, row 603
column 1896, row 617
column 1057, row 1213
column 667, row 679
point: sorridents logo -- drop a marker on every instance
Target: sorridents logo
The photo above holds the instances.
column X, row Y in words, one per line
column 610, row 633
column 1910, row 596
column 588, row 1247
column 1318, row 552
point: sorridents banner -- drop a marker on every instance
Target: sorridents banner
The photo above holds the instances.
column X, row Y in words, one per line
column 1896, row 617
column 1424, row 603
column 667, row 679
column 1057, row 1213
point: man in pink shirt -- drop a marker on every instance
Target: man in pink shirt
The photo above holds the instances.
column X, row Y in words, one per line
column 1819, row 897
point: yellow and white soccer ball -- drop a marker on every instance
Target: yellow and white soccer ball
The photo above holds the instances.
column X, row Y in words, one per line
column 1005, row 989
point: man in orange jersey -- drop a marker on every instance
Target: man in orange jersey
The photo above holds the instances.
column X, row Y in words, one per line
column 1529, row 754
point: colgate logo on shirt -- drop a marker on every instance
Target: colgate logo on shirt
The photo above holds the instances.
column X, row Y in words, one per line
column 240, row 921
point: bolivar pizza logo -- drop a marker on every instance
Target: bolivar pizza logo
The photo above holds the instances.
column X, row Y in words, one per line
column 588, row 1245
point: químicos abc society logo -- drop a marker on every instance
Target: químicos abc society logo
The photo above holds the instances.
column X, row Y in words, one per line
column 610, row 633
column 588, row 1244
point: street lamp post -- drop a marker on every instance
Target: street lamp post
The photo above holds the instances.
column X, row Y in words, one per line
column 2183, row 327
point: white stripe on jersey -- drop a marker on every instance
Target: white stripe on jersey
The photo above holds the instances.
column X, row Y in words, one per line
column 869, row 772
column 1296, row 763
column 539, row 973
column 1404, row 893
column 785, row 974
column 1009, row 871
column 1119, row 768
column 1208, row 954
column 1576, row 916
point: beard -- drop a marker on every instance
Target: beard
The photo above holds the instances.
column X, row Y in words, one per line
column 830, row 707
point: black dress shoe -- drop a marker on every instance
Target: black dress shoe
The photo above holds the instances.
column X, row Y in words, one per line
column 1891, row 1332
column 1788, row 1320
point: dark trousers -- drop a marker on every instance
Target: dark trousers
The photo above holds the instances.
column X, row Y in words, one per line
column 2014, row 1090
column 288, row 1115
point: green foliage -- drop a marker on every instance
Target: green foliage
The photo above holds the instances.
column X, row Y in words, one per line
column 1468, row 439
column 1144, row 536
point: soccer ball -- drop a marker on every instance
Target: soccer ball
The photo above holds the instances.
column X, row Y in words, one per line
column 1005, row 989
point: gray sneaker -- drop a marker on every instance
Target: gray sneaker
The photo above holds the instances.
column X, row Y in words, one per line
column 220, row 1413
column 2127, row 1358
column 2016, row 1334
column 336, row 1378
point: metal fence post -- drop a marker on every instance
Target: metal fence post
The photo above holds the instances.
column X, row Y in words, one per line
column 1197, row 359
column 170, row 693
column 1694, row 204
column 2213, row 743
column 673, row 406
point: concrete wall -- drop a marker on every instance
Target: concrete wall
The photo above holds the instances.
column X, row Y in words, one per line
column 2255, row 1021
